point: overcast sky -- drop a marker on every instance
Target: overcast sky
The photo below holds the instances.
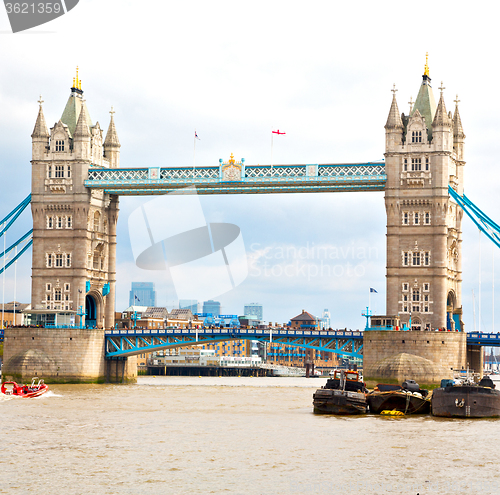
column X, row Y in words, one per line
column 320, row 71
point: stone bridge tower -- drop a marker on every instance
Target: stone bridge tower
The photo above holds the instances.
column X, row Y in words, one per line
column 423, row 156
column 74, row 228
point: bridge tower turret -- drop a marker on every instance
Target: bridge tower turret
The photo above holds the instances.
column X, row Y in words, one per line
column 424, row 155
column 74, row 228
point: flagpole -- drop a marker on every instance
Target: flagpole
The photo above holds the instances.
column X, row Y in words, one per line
column 272, row 140
column 194, row 152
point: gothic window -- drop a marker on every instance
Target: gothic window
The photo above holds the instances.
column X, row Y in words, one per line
column 426, row 309
column 405, row 166
column 68, row 171
column 59, row 260
column 60, row 145
column 426, row 298
column 69, row 222
column 405, row 287
column 48, row 287
column 59, row 171
column 66, row 287
column 405, row 309
column 97, row 217
column 416, row 309
column 427, row 163
column 416, row 218
column 405, row 298
column 50, row 223
column 57, row 295
column 48, row 297
column 405, row 218
column 427, row 258
column 416, row 259
column 49, row 260
column 405, row 259
column 49, row 171
column 89, row 261
column 427, row 218
column 416, row 295
column 416, row 136
column 59, row 221
column 416, row 164
column 426, row 287
column 68, row 260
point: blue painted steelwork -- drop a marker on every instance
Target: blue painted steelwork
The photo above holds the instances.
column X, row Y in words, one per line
column 28, row 239
column 483, row 222
column 484, row 339
column 255, row 179
column 14, row 214
column 122, row 343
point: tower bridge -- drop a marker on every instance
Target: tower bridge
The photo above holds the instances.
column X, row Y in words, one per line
column 77, row 181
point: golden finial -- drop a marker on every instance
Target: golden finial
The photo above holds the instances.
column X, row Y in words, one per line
column 231, row 159
column 41, row 101
column 77, row 83
column 426, row 68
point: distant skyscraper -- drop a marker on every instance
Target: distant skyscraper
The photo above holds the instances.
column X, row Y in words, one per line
column 254, row 311
column 212, row 307
column 191, row 304
column 325, row 320
column 142, row 294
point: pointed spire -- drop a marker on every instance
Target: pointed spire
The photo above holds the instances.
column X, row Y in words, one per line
column 40, row 130
column 441, row 117
column 111, row 135
column 82, row 128
column 458, row 130
column 394, row 119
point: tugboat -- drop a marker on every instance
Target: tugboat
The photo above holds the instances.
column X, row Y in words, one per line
column 406, row 399
column 466, row 399
column 342, row 394
column 34, row 390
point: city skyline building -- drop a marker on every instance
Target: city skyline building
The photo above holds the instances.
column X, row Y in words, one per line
column 191, row 304
column 212, row 307
column 324, row 321
column 142, row 294
column 254, row 311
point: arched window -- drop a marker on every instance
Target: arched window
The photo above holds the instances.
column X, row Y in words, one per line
column 97, row 219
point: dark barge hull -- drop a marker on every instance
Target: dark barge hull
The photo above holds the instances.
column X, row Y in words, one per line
column 407, row 403
column 328, row 401
column 466, row 401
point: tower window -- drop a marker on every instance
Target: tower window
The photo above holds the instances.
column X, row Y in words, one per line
column 57, row 295
column 49, row 171
column 405, row 166
column 405, row 259
column 48, row 287
column 49, row 260
column 69, row 222
column 416, row 136
column 59, row 222
column 427, row 258
column 426, row 287
column 416, row 259
column 427, row 163
column 416, row 295
column 68, row 260
column 59, row 171
column 416, row 164
column 59, row 260
column 60, row 145
column 405, row 287
column 405, row 218
column 416, row 218
column 50, row 223
column 427, row 218
column 68, row 171
column 66, row 287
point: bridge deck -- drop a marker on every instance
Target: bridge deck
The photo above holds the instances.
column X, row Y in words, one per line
column 249, row 179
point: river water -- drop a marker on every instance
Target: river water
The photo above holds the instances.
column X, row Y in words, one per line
column 190, row 435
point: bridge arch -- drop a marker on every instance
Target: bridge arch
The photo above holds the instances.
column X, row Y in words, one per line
column 94, row 304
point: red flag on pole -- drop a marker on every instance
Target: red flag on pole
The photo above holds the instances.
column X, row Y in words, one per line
column 278, row 132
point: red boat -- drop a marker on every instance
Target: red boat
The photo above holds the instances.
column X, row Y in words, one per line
column 33, row 390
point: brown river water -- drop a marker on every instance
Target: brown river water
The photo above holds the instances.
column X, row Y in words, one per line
column 190, row 435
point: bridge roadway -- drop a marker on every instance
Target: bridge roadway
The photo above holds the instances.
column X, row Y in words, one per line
column 242, row 179
column 129, row 342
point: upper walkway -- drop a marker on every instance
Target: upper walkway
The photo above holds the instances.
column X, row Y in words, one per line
column 237, row 178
